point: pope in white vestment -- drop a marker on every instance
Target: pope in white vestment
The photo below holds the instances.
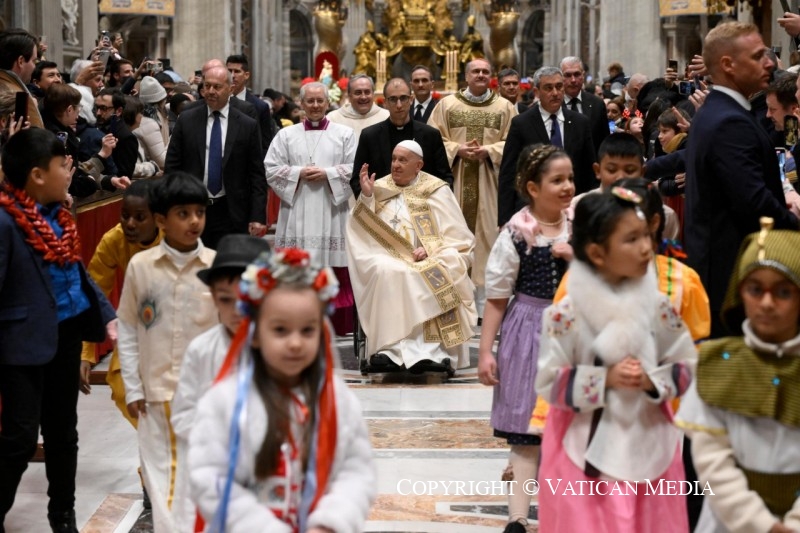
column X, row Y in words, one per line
column 410, row 252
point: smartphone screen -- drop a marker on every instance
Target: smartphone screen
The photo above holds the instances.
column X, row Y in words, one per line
column 113, row 125
column 686, row 88
column 672, row 64
column 789, row 130
column 103, row 56
column 21, row 106
column 781, row 153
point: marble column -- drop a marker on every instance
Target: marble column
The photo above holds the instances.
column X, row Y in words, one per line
column 355, row 25
column 201, row 30
column 88, row 26
column 45, row 19
column 22, row 13
column 630, row 32
column 271, row 47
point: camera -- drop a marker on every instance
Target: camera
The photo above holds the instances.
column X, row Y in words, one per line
column 686, row 88
column 105, row 39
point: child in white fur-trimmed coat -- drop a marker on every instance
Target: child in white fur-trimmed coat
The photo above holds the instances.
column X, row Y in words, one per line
column 280, row 444
column 613, row 353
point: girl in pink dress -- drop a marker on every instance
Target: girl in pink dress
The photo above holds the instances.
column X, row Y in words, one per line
column 613, row 354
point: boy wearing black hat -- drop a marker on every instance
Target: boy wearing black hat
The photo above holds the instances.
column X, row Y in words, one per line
column 742, row 412
column 207, row 351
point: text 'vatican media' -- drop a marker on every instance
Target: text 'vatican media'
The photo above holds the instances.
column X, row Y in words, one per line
column 558, row 487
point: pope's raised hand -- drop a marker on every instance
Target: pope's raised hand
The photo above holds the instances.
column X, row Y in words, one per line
column 367, row 181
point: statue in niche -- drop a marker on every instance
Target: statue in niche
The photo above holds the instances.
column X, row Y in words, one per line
column 69, row 21
column 472, row 45
column 329, row 18
column 365, row 52
column 502, row 17
column 326, row 74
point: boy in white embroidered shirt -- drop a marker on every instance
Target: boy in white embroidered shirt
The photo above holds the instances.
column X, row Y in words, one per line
column 163, row 305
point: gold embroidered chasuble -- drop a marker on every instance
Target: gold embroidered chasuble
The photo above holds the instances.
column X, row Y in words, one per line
column 394, row 293
column 460, row 121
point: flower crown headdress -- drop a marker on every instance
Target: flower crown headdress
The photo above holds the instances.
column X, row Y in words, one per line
column 286, row 265
column 631, row 197
column 626, row 114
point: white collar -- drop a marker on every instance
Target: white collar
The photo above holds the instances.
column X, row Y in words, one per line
column 477, row 99
column 223, row 112
column 571, row 98
column 425, row 103
column 625, row 330
column 242, row 95
column 546, row 114
column 790, row 347
column 736, row 95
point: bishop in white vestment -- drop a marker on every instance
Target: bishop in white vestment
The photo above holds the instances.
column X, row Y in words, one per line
column 308, row 165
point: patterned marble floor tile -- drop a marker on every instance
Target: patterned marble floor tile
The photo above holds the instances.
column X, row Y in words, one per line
column 432, row 433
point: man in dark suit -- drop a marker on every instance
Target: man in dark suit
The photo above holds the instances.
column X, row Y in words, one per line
column 241, row 105
column 424, row 102
column 732, row 173
column 234, row 176
column 576, row 99
column 376, row 143
column 546, row 123
column 239, row 67
column 508, row 88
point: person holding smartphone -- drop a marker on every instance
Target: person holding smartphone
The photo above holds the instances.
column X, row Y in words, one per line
column 108, row 107
column 790, row 22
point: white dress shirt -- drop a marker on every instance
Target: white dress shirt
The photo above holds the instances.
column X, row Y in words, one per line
column 548, row 123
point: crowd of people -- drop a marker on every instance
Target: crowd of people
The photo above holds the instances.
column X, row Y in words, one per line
column 553, row 220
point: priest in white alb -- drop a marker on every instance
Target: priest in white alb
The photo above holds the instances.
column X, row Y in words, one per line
column 410, row 253
column 308, row 165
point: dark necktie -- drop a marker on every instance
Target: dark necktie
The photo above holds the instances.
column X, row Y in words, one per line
column 574, row 105
column 418, row 113
column 555, row 133
column 215, row 157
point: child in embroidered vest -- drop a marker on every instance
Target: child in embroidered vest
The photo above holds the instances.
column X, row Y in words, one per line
column 613, row 354
column 279, row 443
column 136, row 231
column 743, row 411
column 48, row 306
column 163, row 306
column 526, row 262
column 206, row 353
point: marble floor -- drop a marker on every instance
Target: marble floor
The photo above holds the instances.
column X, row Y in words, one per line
column 426, row 431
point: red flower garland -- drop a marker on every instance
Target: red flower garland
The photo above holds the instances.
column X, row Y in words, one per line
column 38, row 232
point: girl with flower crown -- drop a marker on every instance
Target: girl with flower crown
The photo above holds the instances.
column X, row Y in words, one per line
column 280, row 444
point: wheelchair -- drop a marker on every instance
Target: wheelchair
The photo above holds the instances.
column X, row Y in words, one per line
column 366, row 368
